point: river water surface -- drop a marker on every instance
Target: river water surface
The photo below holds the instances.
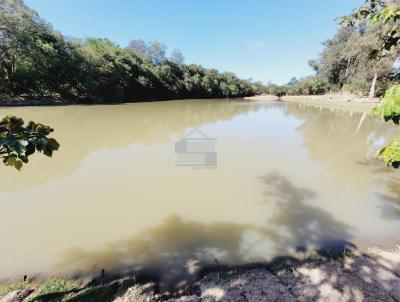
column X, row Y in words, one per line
column 287, row 177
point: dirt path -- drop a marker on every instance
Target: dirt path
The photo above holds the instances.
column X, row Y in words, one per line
column 373, row 276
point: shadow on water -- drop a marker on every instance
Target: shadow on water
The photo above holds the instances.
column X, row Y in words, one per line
column 299, row 225
column 178, row 252
column 171, row 253
column 390, row 209
column 390, row 195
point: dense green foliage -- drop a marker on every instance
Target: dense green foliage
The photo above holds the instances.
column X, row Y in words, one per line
column 391, row 153
column 383, row 12
column 17, row 142
column 36, row 61
column 311, row 85
column 349, row 61
column 389, row 107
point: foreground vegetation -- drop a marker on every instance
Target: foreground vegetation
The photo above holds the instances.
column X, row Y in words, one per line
column 18, row 142
column 38, row 62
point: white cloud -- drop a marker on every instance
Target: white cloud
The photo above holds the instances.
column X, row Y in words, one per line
column 256, row 44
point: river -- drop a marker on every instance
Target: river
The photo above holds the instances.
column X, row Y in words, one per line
column 254, row 180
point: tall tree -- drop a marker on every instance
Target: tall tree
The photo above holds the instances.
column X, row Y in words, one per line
column 386, row 13
column 138, row 47
column 157, row 52
column 177, row 57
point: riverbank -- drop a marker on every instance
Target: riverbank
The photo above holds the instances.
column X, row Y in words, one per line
column 332, row 97
column 309, row 99
column 372, row 275
column 336, row 101
column 25, row 102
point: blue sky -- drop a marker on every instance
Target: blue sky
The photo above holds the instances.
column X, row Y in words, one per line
column 260, row 39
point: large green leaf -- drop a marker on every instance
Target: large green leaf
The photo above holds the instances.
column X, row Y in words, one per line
column 17, row 142
column 391, row 153
column 389, row 107
column 13, row 161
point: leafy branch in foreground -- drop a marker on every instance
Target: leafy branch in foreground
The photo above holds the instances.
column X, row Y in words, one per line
column 379, row 12
column 389, row 109
column 17, row 142
column 391, row 153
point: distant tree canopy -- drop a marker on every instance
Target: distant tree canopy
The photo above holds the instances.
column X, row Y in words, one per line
column 18, row 142
column 36, row 61
column 352, row 60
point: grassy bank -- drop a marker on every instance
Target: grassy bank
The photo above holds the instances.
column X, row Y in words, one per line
column 344, row 275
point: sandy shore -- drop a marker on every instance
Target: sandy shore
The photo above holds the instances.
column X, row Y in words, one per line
column 332, row 101
column 324, row 97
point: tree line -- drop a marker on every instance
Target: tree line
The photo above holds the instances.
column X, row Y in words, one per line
column 37, row 61
column 350, row 61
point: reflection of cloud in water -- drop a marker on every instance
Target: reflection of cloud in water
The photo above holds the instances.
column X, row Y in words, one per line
column 176, row 247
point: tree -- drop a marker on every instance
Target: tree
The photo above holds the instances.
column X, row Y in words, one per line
column 157, row 51
column 386, row 13
column 17, row 142
column 38, row 62
column 138, row 47
column 348, row 62
column 34, row 59
column 177, row 57
column 293, row 81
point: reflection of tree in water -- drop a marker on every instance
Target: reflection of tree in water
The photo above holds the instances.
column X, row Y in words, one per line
column 86, row 129
column 331, row 138
column 391, row 206
column 175, row 248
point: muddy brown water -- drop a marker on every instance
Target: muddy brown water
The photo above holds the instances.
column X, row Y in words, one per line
column 284, row 177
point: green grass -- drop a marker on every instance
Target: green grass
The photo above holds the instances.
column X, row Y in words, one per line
column 68, row 290
column 8, row 288
column 340, row 255
column 98, row 293
column 53, row 290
